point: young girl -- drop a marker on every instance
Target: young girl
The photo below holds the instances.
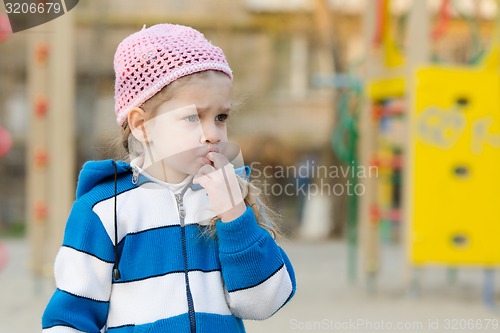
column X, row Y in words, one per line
column 177, row 240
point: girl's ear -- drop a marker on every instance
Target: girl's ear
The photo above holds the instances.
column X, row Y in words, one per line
column 137, row 122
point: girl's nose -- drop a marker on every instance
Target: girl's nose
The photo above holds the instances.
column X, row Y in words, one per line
column 210, row 134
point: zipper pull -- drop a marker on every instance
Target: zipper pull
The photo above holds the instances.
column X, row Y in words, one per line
column 180, row 205
column 135, row 175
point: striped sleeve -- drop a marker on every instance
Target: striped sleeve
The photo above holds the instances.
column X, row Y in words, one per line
column 257, row 273
column 82, row 271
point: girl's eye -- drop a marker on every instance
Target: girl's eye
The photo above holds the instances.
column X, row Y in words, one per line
column 193, row 118
column 221, row 117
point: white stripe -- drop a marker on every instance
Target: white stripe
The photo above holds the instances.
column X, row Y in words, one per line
column 82, row 274
column 146, row 301
column 138, row 209
column 261, row 301
column 151, row 206
column 198, row 209
column 61, row 329
column 208, row 292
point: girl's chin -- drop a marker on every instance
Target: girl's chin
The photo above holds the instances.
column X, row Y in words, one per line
column 192, row 168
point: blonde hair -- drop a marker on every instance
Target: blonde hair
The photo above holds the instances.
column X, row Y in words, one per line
column 265, row 216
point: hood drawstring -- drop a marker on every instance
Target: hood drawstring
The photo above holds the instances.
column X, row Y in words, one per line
column 116, row 271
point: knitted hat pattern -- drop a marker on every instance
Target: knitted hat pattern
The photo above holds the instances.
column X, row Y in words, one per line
column 148, row 60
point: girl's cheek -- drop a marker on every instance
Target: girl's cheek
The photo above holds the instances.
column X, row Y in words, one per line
column 224, row 135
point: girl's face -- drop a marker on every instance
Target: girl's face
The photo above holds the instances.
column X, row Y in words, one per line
column 188, row 126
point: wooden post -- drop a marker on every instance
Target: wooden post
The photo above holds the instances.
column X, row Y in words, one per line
column 369, row 249
column 322, row 14
column 61, row 126
column 37, row 146
column 299, row 66
column 50, row 152
column 418, row 34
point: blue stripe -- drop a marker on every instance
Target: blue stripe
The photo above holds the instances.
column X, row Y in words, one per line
column 202, row 249
column 158, row 251
column 262, row 281
column 85, row 232
column 248, row 253
column 215, row 323
column 129, row 328
column 205, row 323
column 105, row 189
column 108, row 196
column 253, row 266
column 95, row 172
column 80, row 313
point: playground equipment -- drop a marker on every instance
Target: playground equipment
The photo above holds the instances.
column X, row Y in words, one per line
column 344, row 142
column 50, row 143
column 455, row 143
column 434, row 133
column 454, row 147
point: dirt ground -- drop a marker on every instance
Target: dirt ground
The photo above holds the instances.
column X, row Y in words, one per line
column 325, row 300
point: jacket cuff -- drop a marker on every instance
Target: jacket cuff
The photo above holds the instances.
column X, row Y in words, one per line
column 239, row 234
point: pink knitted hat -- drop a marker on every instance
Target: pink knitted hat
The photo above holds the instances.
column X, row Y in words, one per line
column 150, row 59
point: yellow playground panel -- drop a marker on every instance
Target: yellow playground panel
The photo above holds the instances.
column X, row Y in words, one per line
column 455, row 176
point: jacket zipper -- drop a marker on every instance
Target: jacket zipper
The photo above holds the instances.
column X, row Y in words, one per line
column 182, row 215
column 135, row 175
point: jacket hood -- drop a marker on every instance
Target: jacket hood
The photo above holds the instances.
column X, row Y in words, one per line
column 94, row 172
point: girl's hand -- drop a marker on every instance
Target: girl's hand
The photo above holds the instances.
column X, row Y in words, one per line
column 221, row 184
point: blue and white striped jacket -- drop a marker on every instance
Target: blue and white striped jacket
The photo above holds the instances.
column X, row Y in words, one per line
column 174, row 277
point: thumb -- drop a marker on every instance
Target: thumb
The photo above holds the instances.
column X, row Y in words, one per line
column 219, row 159
column 203, row 174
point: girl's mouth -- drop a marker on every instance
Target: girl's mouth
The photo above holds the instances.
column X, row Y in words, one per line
column 207, row 161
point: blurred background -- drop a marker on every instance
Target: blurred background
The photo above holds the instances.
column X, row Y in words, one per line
column 372, row 126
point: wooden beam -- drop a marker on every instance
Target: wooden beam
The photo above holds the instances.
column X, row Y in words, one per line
column 61, row 130
column 50, row 143
column 37, row 146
